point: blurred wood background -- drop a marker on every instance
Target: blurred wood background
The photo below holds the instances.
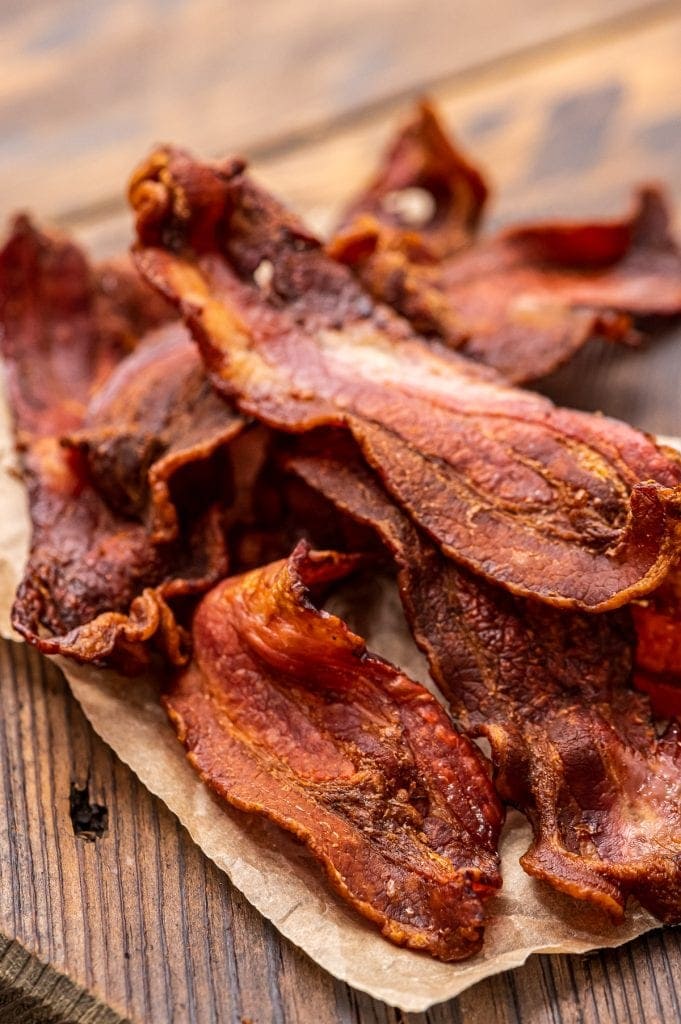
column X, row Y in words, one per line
column 567, row 105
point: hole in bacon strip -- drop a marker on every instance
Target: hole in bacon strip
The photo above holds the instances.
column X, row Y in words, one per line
column 424, row 182
column 578, row 510
column 573, row 746
column 100, row 573
column 525, row 300
column 285, row 713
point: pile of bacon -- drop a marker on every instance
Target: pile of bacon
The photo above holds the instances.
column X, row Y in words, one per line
column 361, row 397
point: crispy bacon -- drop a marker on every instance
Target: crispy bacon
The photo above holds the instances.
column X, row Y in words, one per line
column 98, row 577
column 152, row 428
column 49, row 291
column 573, row 746
column 525, row 300
column 285, row 713
column 658, row 646
column 424, row 185
column 578, row 510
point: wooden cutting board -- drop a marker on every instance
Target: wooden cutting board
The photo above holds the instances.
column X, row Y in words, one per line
column 108, row 912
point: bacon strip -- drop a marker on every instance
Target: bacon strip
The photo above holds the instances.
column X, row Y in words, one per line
column 525, row 300
column 286, row 714
column 424, row 185
column 98, row 577
column 573, row 747
column 578, row 510
column 658, row 646
column 155, row 417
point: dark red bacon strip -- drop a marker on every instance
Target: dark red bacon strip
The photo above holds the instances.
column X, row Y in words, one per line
column 49, row 291
column 573, row 746
column 525, row 300
column 99, row 578
column 658, row 646
column 150, row 433
column 579, row 510
column 425, row 186
column 286, row 714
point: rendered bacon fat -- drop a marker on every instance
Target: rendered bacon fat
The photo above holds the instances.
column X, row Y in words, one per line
column 523, row 301
column 96, row 580
column 573, row 746
column 546, row 501
column 285, row 713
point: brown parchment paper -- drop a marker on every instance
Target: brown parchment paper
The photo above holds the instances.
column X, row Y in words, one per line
column 273, row 872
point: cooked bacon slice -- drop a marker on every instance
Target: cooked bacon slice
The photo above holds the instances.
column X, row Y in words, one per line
column 658, row 646
column 424, row 184
column 93, row 579
column 576, row 509
column 573, row 746
column 285, row 713
column 156, row 416
column 525, row 300
column 97, row 580
column 48, row 290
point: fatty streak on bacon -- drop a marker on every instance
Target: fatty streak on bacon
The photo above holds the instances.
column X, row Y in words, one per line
column 523, row 301
column 573, row 746
column 96, row 584
column 285, row 713
column 576, row 509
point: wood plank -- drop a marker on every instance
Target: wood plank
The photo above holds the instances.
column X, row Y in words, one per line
column 564, row 134
column 86, row 87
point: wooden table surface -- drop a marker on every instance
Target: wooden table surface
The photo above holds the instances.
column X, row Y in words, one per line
column 567, row 104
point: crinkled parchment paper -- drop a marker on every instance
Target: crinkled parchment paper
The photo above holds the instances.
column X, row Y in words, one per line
column 272, row 871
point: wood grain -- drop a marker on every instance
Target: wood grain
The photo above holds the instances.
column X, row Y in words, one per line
column 86, row 87
column 622, row 90
column 139, row 926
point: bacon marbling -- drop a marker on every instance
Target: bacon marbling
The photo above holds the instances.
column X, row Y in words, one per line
column 576, row 509
column 424, row 188
column 285, row 713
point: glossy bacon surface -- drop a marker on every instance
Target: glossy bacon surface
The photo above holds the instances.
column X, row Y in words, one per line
column 285, row 713
column 523, row 301
column 573, row 746
column 97, row 581
column 575, row 509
